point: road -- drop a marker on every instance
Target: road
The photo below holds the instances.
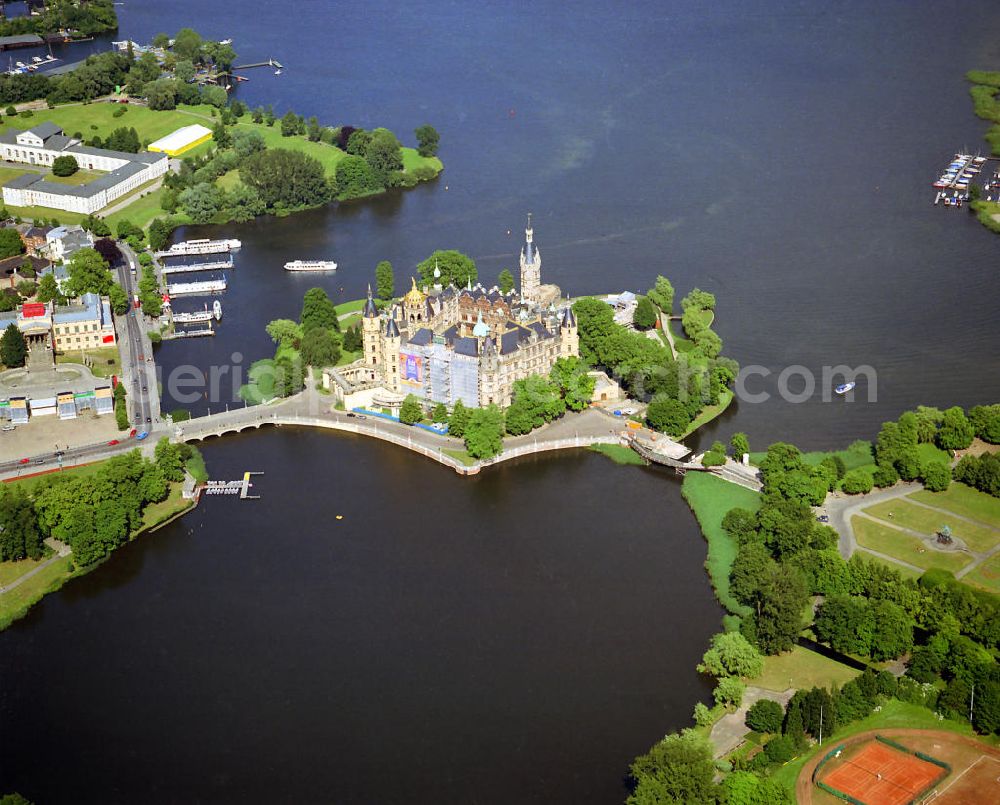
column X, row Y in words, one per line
column 138, row 369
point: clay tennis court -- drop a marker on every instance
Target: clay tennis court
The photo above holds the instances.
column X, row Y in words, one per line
column 877, row 774
column 975, row 775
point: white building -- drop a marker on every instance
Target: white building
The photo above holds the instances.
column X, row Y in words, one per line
column 62, row 241
column 42, row 144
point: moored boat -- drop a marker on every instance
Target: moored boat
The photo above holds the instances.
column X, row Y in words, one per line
column 310, row 265
column 843, row 388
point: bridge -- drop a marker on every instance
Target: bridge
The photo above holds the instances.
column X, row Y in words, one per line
column 671, row 454
column 268, row 63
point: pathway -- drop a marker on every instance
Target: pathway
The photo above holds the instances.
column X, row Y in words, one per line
column 730, row 730
column 61, row 549
column 842, row 509
column 665, row 326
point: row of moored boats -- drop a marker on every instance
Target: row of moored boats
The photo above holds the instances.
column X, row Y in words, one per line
column 960, row 172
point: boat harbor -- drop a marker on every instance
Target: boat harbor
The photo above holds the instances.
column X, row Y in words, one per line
column 200, row 316
column 200, row 333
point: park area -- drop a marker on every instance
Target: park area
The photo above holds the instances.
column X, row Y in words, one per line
column 905, row 529
column 896, row 767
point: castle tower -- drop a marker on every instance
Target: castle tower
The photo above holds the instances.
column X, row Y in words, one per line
column 390, row 354
column 370, row 333
column 531, row 266
column 569, row 338
column 414, row 306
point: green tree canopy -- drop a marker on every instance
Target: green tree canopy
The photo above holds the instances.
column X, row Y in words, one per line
column 88, row 273
column 505, row 281
column 384, row 154
column 731, row 654
column 956, row 432
column 740, row 444
column 202, row 202
column 459, row 420
column 536, row 401
column 662, row 294
column 66, row 165
column 644, row 315
column 13, row 347
column 286, row 179
column 318, row 311
column 668, row 416
column 385, row 282
column 427, row 140
column 10, row 243
column 765, row 715
column 284, row 330
column 320, row 348
column 355, row 178
column 456, row 268
column 678, row 769
column 575, row 385
column 411, row 411
column 484, row 432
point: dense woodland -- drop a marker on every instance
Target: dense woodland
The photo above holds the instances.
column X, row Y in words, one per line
column 948, row 632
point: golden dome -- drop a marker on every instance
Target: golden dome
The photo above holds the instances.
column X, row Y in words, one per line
column 414, row 296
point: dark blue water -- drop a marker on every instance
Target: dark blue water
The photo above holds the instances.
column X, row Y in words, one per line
column 519, row 637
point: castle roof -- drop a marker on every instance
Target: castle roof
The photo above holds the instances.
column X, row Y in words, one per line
column 569, row 320
column 481, row 330
column 414, row 296
column 391, row 330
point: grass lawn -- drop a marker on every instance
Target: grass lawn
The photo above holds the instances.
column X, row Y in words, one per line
column 802, row 668
column 106, row 360
column 930, row 452
column 173, row 504
column 354, row 306
column 978, row 538
column 987, row 575
column 260, row 382
column 78, row 178
column 144, row 209
column 904, row 547
column 30, row 483
column 14, row 570
column 710, row 498
column 893, row 715
column 6, row 174
column 710, row 412
column 461, row 455
column 348, row 357
column 904, row 571
column 964, row 500
column 351, row 321
column 228, row 180
column 98, row 119
column 15, row 603
column 619, row 454
column 46, row 214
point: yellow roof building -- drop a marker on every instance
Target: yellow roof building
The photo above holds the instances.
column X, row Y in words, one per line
column 184, row 139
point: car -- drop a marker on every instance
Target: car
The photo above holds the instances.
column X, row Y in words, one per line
column 39, row 460
column 823, row 518
column 8, row 428
column 351, row 414
column 60, row 453
column 24, row 461
column 144, row 389
column 131, row 433
column 628, row 411
column 112, row 442
column 149, row 419
column 141, row 436
column 142, row 357
column 617, row 412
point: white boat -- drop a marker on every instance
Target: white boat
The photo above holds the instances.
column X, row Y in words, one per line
column 311, row 265
column 843, row 388
column 205, row 287
column 277, row 72
column 217, row 310
column 203, row 246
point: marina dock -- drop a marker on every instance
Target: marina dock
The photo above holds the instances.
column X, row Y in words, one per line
column 186, row 267
column 188, row 334
column 195, row 288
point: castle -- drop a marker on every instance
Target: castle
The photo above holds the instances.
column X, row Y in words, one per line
column 445, row 344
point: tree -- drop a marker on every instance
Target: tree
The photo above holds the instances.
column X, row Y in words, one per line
column 484, row 432
column 384, row 154
column 740, row 444
column 288, row 375
column 243, row 203
column 184, row 70
column 353, row 340
column 985, row 419
column 124, row 139
column 286, row 179
column 320, row 347
column 459, row 419
column 284, row 330
column 505, row 281
column 385, row 283
column 956, row 432
column 575, row 384
column 731, row 654
column 668, row 416
column 644, row 315
column 765, row 715
column 13, row 347
column 247, row 142
column 746, row 788
column 48, row 289
column 161, row 94
column 779, row 601
column 201, row 202
column 159, row 234
column 221, row 135
column 936, row 476
column 752, row 561
column 537, row 400
column 10, row 243
column 355, row 178
column 313, row 131
column 846, row 623
column 318, row 312
column 118, row 299
column 662, row 294
column 440, row 413
column 188, row 44
column 88, row 273
column 893, row 631
column 121, row 407
column 357, row 142
column 456, row 268
column 411, row 411
column 678, row 769
column 168, row 459
column 65, row 165
column 214, row 96
column 857, row 482
column 698, row 300
column 427, row 140
column 729, row 691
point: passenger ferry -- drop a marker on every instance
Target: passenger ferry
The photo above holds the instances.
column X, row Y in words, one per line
column 205, row 287
column 203, row 246
column 311, row 265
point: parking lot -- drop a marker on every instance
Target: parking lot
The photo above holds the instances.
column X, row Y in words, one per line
column 41, row 435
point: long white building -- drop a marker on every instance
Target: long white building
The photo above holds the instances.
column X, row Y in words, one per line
column 42, row 144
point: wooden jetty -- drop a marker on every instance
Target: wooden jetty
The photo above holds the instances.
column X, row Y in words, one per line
column 268, row 63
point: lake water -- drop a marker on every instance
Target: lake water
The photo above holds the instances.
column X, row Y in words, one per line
column 520, row 636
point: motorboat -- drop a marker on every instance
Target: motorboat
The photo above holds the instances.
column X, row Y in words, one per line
column 843, row 388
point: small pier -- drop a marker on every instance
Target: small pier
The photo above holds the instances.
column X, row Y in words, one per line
column 186, row 267
column 201, row 333
column 268, row 63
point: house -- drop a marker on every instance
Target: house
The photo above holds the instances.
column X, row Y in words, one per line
column 63, row 241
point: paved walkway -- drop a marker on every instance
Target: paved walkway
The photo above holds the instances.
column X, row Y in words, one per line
column 841, row 508
column 730, row 730
column 61, row 549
